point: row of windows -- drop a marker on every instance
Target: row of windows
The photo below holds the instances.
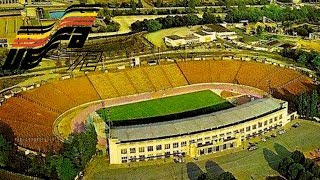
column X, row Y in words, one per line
column 265, row 123
column 149, row 156
column 157, row 147
column 215, row 137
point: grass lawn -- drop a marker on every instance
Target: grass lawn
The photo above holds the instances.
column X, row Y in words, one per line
column 243, row 164
column 167, row 105
column 157, row 38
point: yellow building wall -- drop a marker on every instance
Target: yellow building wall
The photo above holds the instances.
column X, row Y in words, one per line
column 192, row 149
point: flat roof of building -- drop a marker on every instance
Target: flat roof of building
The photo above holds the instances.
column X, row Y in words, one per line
column 174, row 37
column 215, row 28
column 224, row 118
column 201, row 33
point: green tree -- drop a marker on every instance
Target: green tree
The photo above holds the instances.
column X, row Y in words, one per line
column 315, row 170
column 314, row 99
column 316, row 61
column 153, row 25
column 65, row 169
column 298, row 157
column 284, row 165
column 302, row 58
column 133, row 5
column 139, row 5
column 305, row 175
column 5, row 149
column 259, row 30
column 226, row 176
column 308, row 164
column 192, row 5
column 294, row 170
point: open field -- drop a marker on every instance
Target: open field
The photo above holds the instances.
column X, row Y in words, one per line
column 242, row 163
column 157, row 38
column 166, row 106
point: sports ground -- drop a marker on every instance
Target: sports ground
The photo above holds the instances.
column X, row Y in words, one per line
column 243, row 164
column 167, row 105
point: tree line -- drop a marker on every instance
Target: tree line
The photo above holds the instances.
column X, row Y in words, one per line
column 275, row 13
column 310, row 59
column 174, row 21
column 307, row 104
column 297, row 167
column 77, row 151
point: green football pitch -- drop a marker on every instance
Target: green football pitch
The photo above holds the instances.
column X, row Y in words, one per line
column 167, row 105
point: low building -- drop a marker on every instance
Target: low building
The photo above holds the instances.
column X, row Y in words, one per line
column 174, row 41
column 197, row 136
column 189, row 40
column 221, row 32
column 314, row 35
column 205, row 37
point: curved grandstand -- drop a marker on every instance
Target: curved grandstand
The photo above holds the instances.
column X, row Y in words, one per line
column 31, row 114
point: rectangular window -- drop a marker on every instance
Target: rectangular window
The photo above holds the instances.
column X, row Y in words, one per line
column 175, row 145
column 242, row 130
column 221, row 135
column 259, row 124
column 167, row 146
column 254, row 126
column 224, row 146
column 206, row 138
column 132, row 150
column 209, row 150
column 141, row 149
column 200, row 139
column 265, row 123
column 123, row 151
column 248, row 129
column 280, row 117
column 158, row 147
column 192, row 141
column 231, row 145
column 275, row 118
column 183, row 143
column 150, row 148
column 270, row 121
column 214, row 137
column 217, row 148
column 124, row 159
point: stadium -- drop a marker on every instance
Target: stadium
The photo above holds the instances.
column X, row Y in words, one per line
column 242, row 92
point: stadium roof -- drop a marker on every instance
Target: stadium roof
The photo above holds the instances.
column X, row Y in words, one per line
column 235, row 115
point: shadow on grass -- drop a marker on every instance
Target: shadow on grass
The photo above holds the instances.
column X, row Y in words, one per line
column 281, row 150
column 193, row 171
column 272, row 158
column 213, row 169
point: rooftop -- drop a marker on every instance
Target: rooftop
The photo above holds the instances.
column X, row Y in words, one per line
column 201, row 33
column 174, row 37
column 196, row 124
column 215, row 28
